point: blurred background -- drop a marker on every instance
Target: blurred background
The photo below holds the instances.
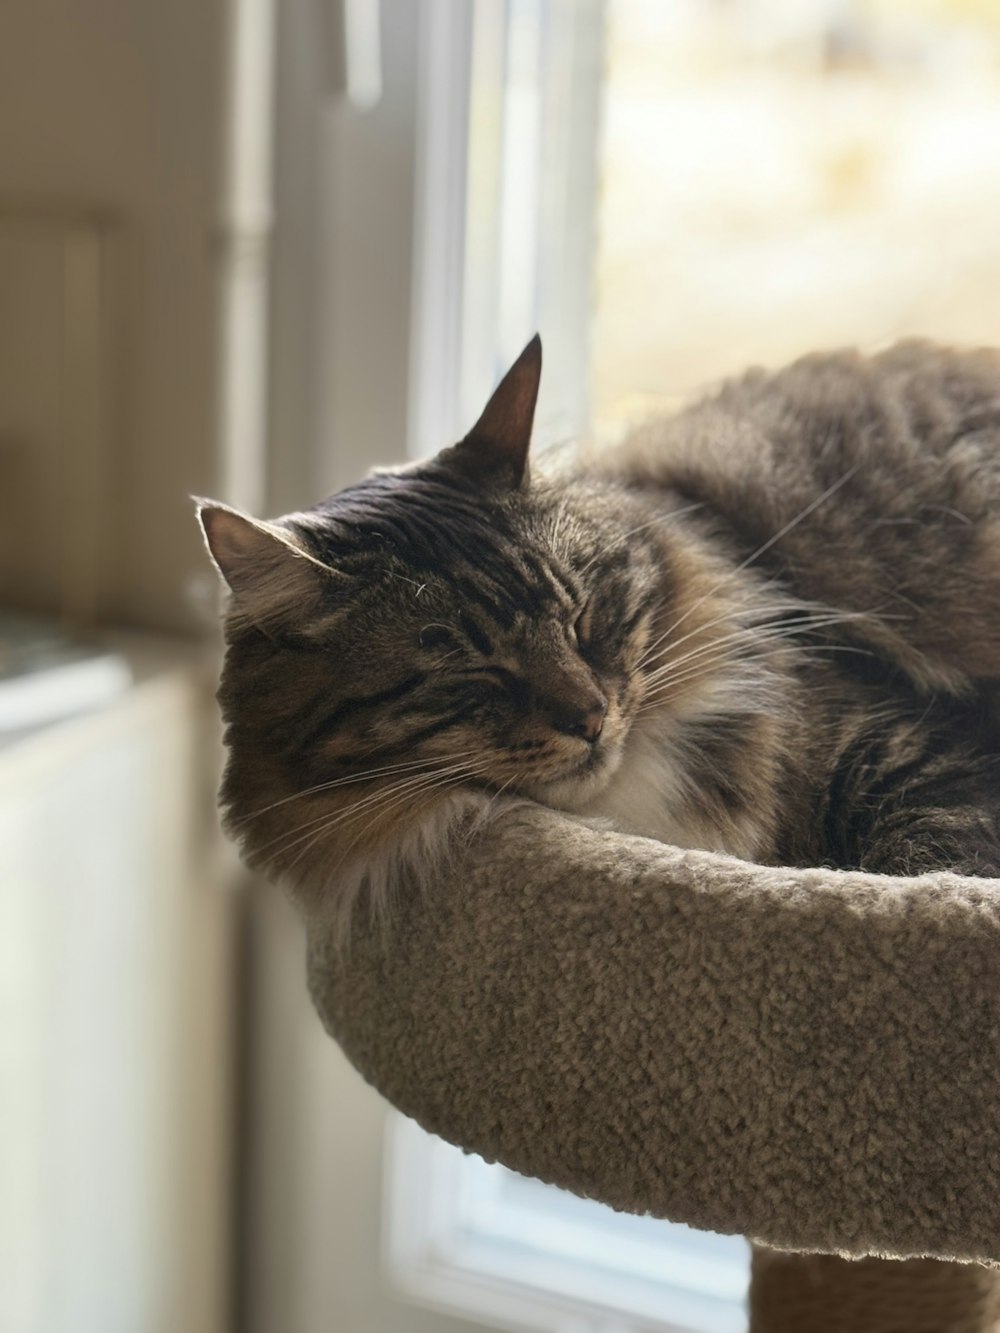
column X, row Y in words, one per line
column 249, row 248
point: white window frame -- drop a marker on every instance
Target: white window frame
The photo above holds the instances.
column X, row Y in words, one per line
column 457, row 1239
column 507, row 127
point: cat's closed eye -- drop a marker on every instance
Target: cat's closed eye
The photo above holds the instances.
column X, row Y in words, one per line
column 475, row 633
column 583, row 625
column 437, row 636
column 514, row 686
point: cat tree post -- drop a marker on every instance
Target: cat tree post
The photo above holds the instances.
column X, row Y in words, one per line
column 819, row 1293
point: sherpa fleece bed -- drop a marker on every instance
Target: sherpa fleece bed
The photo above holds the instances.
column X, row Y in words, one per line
column 807, row 1057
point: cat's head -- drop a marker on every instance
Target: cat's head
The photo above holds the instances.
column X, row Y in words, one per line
column 449, row 625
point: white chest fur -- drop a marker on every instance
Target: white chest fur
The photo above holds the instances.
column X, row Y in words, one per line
column 652, row 795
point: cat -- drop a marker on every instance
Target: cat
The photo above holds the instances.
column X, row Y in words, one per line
column 767, row 626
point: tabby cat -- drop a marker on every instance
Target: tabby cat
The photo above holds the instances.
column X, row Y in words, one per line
column 768, row 626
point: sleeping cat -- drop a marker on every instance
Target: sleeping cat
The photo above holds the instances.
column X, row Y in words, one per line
column 767, row 626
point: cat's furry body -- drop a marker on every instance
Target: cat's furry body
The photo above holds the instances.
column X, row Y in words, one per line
column 767, row 626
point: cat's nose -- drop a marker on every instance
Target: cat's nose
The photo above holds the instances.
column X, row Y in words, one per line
column 586, row 722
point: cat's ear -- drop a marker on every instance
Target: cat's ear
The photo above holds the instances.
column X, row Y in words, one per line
column 268, row 573
column 496, row 449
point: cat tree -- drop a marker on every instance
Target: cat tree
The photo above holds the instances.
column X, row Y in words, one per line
column 807, row 1057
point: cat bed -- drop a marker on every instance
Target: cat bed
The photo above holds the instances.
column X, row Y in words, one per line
column 807, row 1057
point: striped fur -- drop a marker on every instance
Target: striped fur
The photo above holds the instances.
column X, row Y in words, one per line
column 768, row 626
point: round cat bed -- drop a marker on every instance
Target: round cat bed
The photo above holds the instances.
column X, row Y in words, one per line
column 807, row 1057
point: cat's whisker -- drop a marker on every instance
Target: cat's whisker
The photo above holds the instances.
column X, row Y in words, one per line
column 366, row 775
column 642, row 527
column 411, row 784
column 445, row 785
column 290, row 837
column 395, row 798
column 749, row 618
column 500, row 791
column 703, row 659
column 821, row 617
column 663, row 689
column 403, row 786
column 793, row 614
column 792, row 606
column 766, row 546
column 751, row 634
column 389, row 801
column 725, row 648
column 403, row 578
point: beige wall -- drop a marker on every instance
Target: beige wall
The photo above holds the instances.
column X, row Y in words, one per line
column 115, row 106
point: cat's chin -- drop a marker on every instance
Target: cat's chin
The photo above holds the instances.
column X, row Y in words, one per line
column 579, row 786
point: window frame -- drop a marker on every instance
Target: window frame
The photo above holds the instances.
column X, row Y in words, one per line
column 457, row 1240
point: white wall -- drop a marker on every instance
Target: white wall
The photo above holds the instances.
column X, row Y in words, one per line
column 111, row 114
column 115, row 106
column 343, row 260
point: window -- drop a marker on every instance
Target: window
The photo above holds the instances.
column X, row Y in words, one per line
column 471, row 1238
column 768, row 180
column 668, row 192
column 779, row 178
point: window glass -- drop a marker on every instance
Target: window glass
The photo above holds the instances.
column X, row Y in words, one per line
column 778, row 178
